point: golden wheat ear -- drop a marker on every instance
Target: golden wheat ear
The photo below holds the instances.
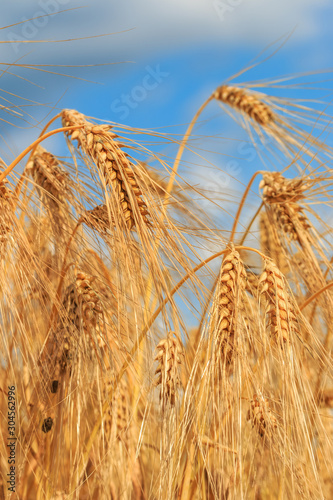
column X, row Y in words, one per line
column 117, row 419
column 98, row 143
column 281, row 317
column 279, row 120
column 50, row 177
column 270, row 243
column 169, row 357
column 285, row 203
column 261, row 416
column 7, row 206
column 283, row 196
column 229, row 294
column 245, row 102
column 75, row 331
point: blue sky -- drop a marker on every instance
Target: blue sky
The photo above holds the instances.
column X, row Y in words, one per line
column 166, row 58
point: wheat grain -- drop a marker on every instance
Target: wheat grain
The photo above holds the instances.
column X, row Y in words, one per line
column 6, row 211
column 100, row 144
column 118, row 415
column 261, row 416
column 246, row 102
column 169, row 357
column 280, row 313
column 232, row 283
column 98, row 219
column 281, row 195
column 50, row 176
column 270, row 243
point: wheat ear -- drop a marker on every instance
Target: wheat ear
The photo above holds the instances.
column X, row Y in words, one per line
column 281, row 317
column 97, row 142
column 7, row 206
column 270, row 243
column 83, row 310
column 232, row 283
column 282, row 195
column 50, row 176
column 260, row 415
column 98, row 219
column 117, row 417
column 169, row 357
column 246, row 102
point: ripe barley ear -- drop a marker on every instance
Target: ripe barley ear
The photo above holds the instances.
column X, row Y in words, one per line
column 247, row 102
column 230, row 291
column 261, row 416
column 98, row 219
column 280, row 313
column 282, row 197
column 98, row 143
column 7, row 206
column 169, row 357
column 270, row 243
column 50, row 177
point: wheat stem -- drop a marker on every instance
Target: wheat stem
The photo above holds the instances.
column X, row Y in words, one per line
column 62, row 275
column 50, row 123
column 203, row 314
column 20, row 182
column 167, row 195
column 183, row 144
column 315, row 295
column 240, row 207
column 251, row 223
column 32, row 146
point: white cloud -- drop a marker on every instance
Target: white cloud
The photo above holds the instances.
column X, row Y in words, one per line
column 158, row 28
column 158, row 25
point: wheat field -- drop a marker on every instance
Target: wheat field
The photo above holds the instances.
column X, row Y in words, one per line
column 106, row 392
